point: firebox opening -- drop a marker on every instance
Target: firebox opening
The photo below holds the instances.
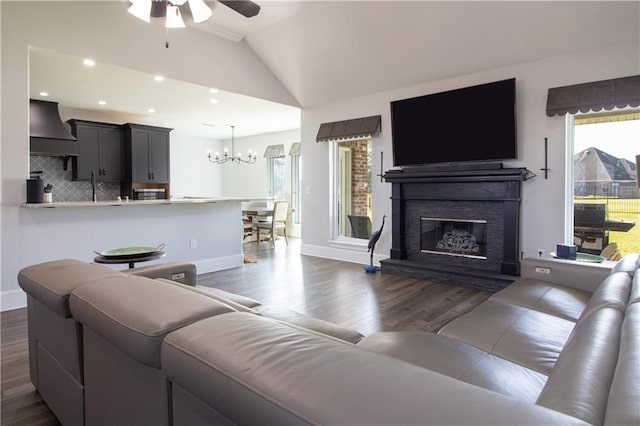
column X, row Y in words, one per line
column 454, row 237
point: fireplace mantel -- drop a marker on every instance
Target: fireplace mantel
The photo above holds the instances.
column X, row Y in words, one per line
column 491, row 193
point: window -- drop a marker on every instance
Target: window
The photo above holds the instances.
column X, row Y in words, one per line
column 606, row 197
column 276, row 178
column 296, row 204
column 352, row 188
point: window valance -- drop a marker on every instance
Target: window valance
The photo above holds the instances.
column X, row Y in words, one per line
column 356, row 128
column 274, row 151
column 295, row 149
column 608, row 94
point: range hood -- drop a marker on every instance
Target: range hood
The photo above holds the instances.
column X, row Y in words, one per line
column 48, row 135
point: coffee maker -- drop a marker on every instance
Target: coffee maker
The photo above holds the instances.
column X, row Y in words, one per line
column 35, row 188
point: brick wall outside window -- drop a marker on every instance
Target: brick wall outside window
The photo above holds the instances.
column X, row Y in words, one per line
column 359, row 178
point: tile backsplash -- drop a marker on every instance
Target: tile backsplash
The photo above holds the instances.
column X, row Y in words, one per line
column 65, row 189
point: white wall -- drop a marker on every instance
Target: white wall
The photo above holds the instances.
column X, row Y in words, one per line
column 88, row 29
column 542, row 224
column 250, row 180
column 191, row 172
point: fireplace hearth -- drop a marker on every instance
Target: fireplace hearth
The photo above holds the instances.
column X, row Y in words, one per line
column 459, row 227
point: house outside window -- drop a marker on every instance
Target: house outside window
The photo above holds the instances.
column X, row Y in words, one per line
column 352, row 188
column 605, row 195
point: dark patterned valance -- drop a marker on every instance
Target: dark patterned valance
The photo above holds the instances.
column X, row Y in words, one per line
column 608, row 94
column 356, row 128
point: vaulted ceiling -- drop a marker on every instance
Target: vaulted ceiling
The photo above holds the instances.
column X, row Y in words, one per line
column 331, row 50
column 326, row 51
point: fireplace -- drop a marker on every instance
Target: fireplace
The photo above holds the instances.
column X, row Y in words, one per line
column 456, row 226
column 454, row 237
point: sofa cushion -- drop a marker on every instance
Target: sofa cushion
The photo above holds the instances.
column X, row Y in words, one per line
column 246, row 304
column 135, row 313
column 52, row 282
column 236, row 298
column 560, row 301
column 527, row 337
column 634, row 297
column 629, row 264
column 255, row 370
column 579, row 383
column 315, row 324
column 623, row 407
column 613, row 292
column 459, row 360
column 219, row 295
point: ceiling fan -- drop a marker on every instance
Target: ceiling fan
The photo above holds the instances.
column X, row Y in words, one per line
column 147, row 9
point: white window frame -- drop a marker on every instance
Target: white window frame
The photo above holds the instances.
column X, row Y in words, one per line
column 334, row 227
column 271, row 177
column 296, row 183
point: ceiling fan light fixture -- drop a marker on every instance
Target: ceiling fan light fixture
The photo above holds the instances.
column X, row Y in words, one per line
column 199, row 10
column 141, row 9
column 174, row 19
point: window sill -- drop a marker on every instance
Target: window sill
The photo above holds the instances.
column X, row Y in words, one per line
column 348, row 243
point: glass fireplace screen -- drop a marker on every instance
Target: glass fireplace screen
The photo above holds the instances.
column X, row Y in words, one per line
column 454, row 237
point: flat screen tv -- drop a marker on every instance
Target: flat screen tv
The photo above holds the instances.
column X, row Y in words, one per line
column 471, row 124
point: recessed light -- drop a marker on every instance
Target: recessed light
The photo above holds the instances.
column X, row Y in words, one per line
column 45, row 94
column 102, row 103
column 212, row 90
column 158, row 78
column 214, row 101
column 89, row 62
column 151, row 110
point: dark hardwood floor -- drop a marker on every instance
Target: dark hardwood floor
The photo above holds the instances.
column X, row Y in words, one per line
column 342, row 292
column 332, row 290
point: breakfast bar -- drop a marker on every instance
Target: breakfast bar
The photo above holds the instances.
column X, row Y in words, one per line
column 203, row 231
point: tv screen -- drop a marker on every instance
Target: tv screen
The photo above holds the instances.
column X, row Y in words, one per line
column 476, row 123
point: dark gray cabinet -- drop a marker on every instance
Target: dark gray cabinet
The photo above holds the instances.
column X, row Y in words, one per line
column 147, row 153
column 100, row 149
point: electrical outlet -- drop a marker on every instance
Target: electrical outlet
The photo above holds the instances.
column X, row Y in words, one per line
column 540, row 253
column 543, row 270
column 193, row 243
column 177, row 276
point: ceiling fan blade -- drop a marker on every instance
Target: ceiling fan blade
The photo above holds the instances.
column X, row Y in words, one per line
column 246, row 8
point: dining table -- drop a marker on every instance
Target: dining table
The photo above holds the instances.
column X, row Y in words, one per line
column 258, row 212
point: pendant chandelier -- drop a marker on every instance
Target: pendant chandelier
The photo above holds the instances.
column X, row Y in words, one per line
column 234, row 158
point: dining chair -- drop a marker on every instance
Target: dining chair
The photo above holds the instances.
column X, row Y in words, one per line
column 277, row 223
column 248, row 227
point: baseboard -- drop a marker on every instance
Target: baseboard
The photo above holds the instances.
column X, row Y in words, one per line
column 353, row 256
column 13, row 299
column 218, row 264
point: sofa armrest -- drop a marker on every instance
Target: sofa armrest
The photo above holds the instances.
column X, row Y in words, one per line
column 182, row 272
column 569, row 273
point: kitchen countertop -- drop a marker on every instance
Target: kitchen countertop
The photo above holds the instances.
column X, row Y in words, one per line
column 118, row 203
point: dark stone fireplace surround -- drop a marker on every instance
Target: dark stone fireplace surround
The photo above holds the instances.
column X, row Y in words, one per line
column 491, row 194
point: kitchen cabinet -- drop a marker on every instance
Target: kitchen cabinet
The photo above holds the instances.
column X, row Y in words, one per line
column 147, row 149
column 100, row 149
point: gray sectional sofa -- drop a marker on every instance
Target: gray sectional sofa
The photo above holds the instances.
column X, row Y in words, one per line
column 137, row 347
